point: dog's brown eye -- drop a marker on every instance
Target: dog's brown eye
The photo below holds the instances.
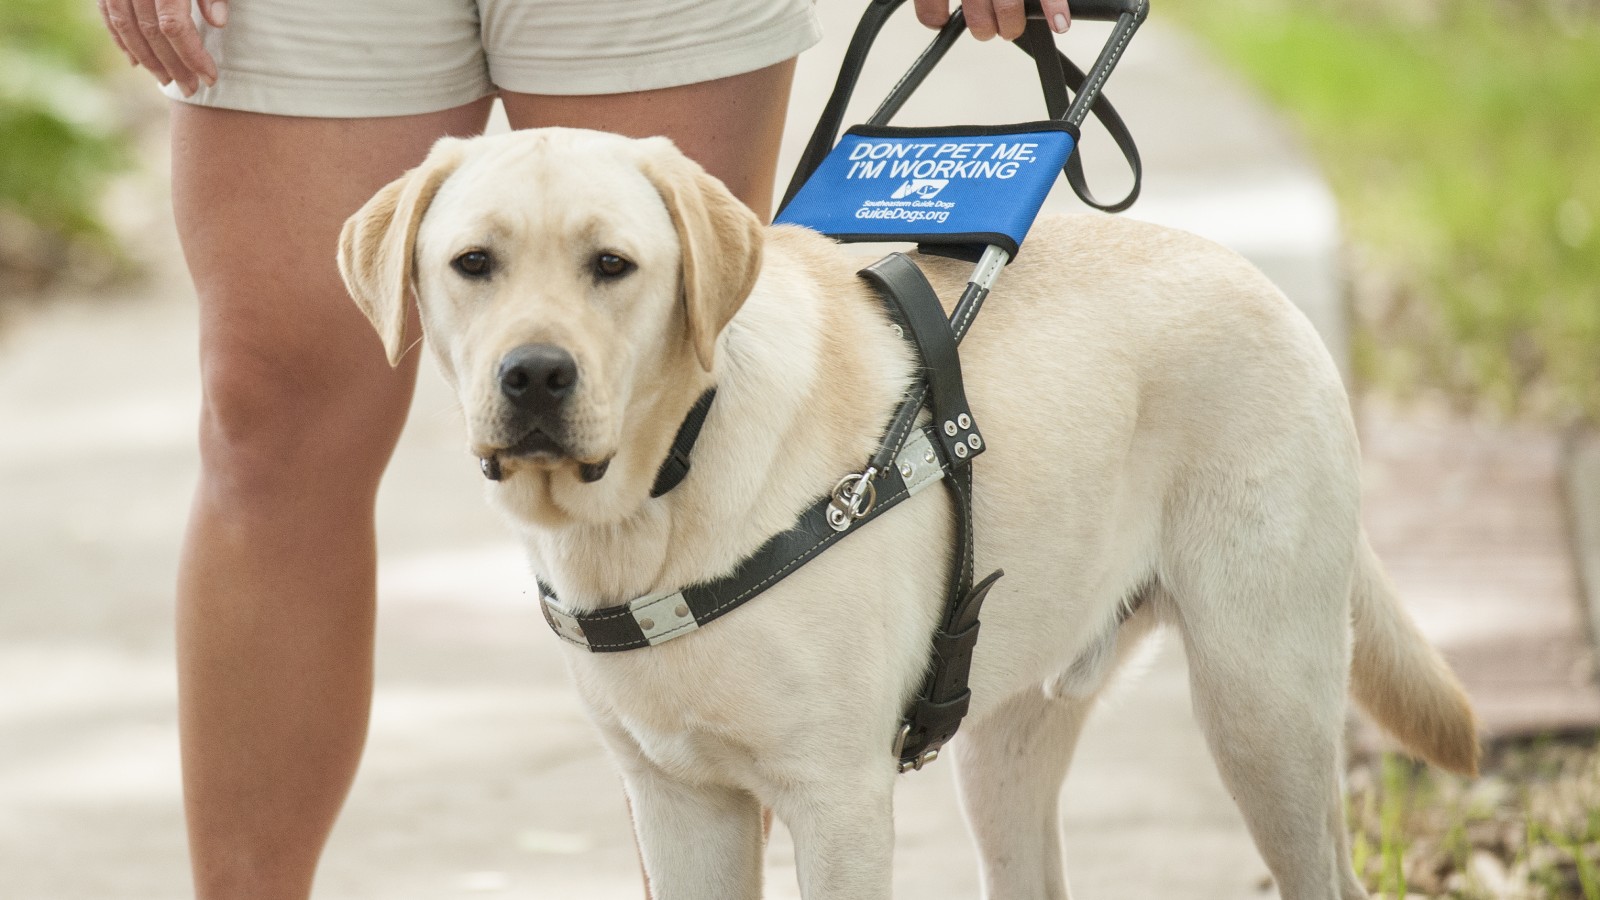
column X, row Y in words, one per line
column 473, row 264
column 610, row 265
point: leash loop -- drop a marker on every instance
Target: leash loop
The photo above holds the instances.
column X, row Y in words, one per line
column 1057, row 75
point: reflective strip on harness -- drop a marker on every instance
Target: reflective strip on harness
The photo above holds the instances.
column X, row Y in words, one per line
column 963, row 185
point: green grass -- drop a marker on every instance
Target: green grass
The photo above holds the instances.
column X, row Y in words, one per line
column 1529, row 828
column 1392, row 838
column 1462, row 139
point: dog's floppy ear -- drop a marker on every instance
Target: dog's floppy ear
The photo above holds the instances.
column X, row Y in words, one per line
column 376, row 245
column 721, row 240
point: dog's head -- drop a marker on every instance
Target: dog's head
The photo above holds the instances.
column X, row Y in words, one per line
column 572, row 286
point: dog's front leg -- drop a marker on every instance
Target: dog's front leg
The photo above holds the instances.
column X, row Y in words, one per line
column 698, row 841
column 843, row 828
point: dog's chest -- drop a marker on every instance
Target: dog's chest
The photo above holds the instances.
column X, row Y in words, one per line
column 834, row 649
column 695, row 707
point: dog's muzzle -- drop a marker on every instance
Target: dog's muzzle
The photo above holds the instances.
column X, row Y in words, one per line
column 537, row 380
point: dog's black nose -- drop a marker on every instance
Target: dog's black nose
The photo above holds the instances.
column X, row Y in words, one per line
column 537, row 377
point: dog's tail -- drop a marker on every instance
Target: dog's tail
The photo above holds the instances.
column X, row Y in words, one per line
column 1401, row 680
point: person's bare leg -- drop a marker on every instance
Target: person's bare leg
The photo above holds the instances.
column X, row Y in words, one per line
column 731, row 126
column 300, row 415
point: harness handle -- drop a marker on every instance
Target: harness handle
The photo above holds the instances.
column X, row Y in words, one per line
column 1094, row 10
column 1056, row 75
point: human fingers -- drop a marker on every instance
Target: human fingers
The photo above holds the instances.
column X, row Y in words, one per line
column 149, row 28
column 105, row 17
column 176, row 25
column 933, row 13
column 215, row 12
column 981, row 20
column 124, row 23
column 157, row 30
column 988, row 18
column 1009, row 18
column 1058, row 14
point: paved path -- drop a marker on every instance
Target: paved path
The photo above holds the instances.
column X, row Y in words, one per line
column 1475, row 527
column 482, row 778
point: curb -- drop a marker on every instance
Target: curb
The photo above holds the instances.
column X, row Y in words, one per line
column 1581, row 484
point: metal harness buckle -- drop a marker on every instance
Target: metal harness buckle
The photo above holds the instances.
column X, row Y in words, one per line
column 853, row 497
column 913, row 765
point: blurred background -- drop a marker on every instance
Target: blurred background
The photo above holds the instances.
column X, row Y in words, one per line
column 1422, row 177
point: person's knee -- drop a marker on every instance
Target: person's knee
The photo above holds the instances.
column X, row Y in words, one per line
column 278, row 425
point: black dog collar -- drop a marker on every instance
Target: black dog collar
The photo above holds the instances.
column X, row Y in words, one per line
column 676, row 466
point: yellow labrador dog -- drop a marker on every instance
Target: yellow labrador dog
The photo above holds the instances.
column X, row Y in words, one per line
column 1163, row 426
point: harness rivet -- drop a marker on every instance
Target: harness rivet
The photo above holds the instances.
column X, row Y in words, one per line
column 960, row 450
column 927, row 455
column 950, row 428
column 898, row 331
column 681, row 611
column 964, row 420
column 976, row 442
column 905, row 470
column 647, row 624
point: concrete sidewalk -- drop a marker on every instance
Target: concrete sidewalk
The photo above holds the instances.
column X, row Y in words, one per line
column 482, row 777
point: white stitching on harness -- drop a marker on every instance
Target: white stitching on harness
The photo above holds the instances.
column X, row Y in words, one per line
column 966, row 321
column 758, row 588
column 1116, row 53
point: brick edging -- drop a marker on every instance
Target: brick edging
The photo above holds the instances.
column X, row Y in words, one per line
column 1580, row 479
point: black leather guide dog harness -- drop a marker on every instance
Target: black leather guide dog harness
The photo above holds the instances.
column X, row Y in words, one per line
column 937, row 187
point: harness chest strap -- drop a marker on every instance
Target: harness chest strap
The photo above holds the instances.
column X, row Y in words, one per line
column 940, row 451
column 935, row 714
column 658, row 618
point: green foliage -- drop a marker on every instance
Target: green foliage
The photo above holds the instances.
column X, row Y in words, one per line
column 60, row 137
column 1392, row 835
column 1528, row 828
column 1463, row 141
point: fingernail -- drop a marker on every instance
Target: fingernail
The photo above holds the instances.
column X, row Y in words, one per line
column 210, row 80
column 219, row 13
column 1061, row 23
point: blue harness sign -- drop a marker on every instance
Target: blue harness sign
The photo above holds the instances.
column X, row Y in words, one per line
column 970, row 186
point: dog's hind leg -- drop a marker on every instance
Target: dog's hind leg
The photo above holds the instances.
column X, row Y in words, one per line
column 1011, row 763
column 1260, row 585
column 1350, row 887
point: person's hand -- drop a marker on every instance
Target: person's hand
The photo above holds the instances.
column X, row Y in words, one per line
column 987, row 18
column 160, row 35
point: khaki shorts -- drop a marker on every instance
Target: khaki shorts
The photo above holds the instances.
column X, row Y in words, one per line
column 362, row 58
